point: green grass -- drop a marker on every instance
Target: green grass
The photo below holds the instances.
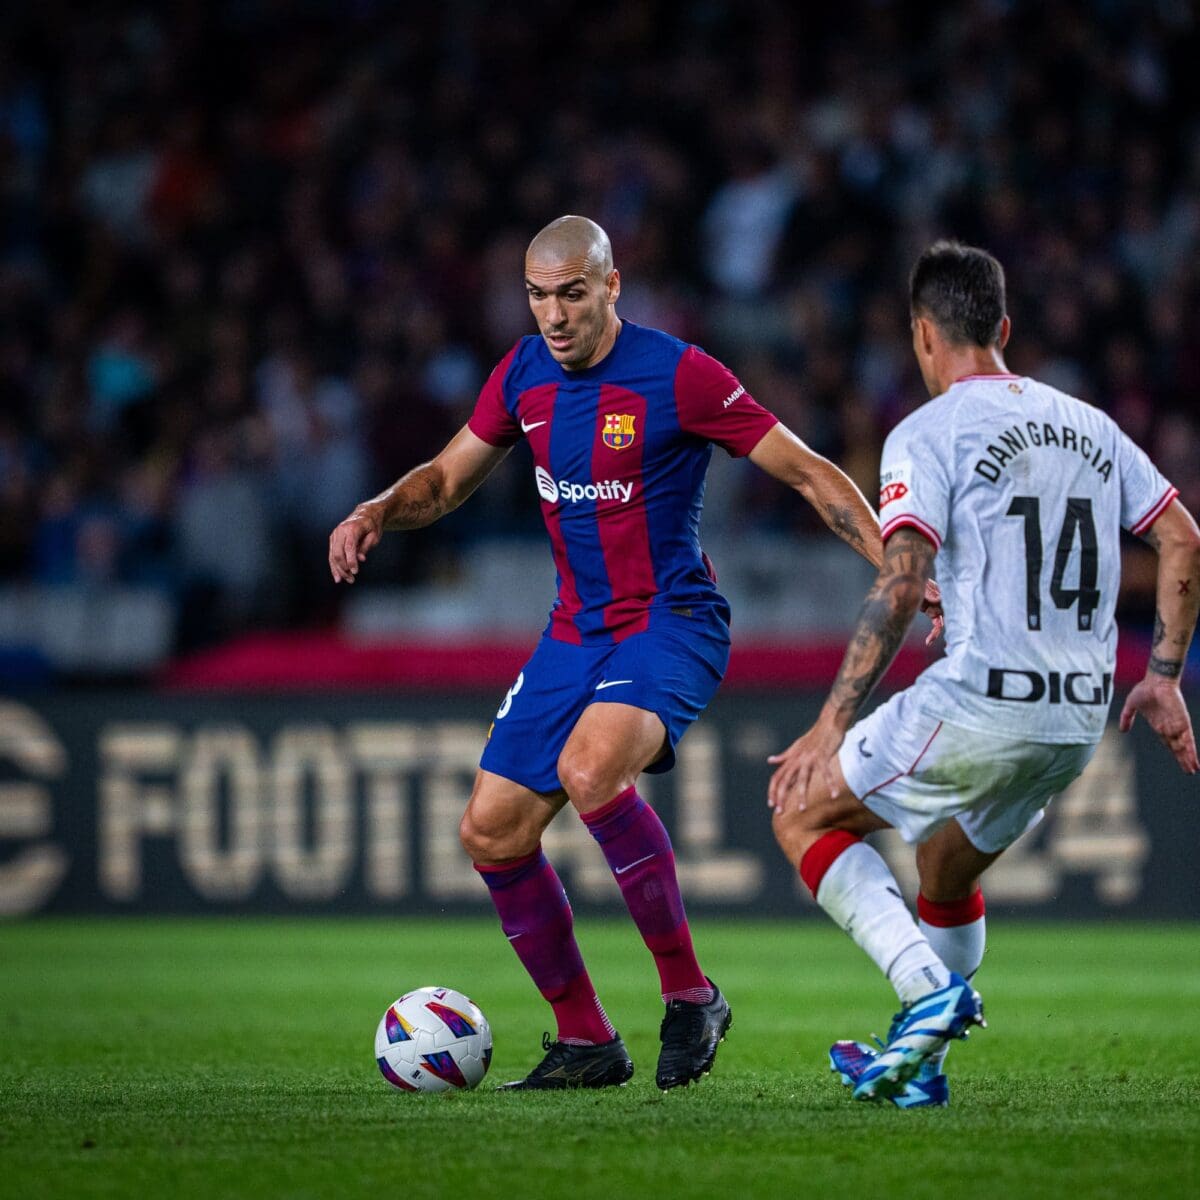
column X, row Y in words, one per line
column 233, row 1058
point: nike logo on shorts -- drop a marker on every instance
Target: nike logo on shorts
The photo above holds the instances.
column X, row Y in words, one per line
column 607, row 683
column 862, row 748
column 525, row 428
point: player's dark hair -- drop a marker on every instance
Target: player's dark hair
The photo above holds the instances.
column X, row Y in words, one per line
column 961, row 289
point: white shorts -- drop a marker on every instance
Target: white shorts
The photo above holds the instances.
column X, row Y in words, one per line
column 917, row 772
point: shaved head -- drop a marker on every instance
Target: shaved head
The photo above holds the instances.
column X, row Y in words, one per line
column 575, row 238
column 573, row 289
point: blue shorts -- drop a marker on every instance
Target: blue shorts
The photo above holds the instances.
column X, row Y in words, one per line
column 672, row 669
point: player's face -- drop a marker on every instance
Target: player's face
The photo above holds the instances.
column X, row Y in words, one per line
column 572, row 301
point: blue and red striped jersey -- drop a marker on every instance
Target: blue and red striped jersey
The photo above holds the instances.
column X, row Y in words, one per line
column 620, row 450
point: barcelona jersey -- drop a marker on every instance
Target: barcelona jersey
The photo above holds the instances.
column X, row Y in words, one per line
column 620, row 451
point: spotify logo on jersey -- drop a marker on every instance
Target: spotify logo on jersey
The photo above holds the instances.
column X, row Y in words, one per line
column 571, row 493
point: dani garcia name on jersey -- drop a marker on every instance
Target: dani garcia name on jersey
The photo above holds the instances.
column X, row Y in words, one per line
column 1016, row 439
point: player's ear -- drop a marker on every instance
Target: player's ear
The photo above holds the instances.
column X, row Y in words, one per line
column 613, row 285
column 1005, row 330
column 926, row 335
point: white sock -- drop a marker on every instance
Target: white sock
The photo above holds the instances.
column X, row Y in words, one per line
column 961, row 948
column 861, row 895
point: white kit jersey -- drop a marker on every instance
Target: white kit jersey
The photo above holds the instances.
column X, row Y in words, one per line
column 1023, row 490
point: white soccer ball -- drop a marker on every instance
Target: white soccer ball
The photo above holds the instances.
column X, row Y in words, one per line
column 433, row 1040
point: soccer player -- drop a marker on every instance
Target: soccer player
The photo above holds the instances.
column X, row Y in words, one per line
column 621, row 421
column 1019, row 493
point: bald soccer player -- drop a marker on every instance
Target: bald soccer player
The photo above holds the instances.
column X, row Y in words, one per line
column 621, row 421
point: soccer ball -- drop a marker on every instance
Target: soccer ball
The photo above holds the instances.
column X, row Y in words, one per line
column 433, row 1040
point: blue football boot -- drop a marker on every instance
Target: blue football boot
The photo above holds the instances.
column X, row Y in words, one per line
column 929, row 1089
column 917, row 1034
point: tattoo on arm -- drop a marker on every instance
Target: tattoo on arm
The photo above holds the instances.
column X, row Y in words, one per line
column 885, row 617
column 1166, row 667
column 1159, row 664
column 841, row 519
column 416, row 500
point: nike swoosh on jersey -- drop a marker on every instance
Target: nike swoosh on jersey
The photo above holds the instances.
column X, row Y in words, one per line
column 630, row 866
column 607, row 683
column 532, row 425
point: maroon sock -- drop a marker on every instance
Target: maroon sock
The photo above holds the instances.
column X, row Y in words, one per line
column 639, row 852
column 536, row 917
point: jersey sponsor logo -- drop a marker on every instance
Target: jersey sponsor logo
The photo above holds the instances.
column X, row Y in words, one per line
column 894, row 482
column 740, row 390
column 619, row 433
column 1029, row 687
column 547, row 488
column 526, row 426
column 552, row 490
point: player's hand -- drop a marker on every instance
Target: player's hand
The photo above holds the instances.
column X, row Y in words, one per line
column 351, row 540
column 931, row 606
column 1161, row 703
column 809, row 757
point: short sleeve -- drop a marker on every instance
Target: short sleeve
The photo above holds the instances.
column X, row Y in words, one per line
column 491, row 420
column 1145, row 493
column 712, row 404
column 914, row 486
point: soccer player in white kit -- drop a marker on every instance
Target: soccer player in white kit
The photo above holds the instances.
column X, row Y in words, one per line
column 1019, row 493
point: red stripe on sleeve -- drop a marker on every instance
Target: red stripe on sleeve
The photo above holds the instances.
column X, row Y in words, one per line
column 913, row 523
column 621, row 524
column 712, row 404
column 491, row 421
column 1157, row 511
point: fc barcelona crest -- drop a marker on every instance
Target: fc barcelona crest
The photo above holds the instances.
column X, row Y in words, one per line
column 619, row 431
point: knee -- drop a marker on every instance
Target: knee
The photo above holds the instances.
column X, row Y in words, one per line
column 490, row 841
column 587, row 784
column 794, row 835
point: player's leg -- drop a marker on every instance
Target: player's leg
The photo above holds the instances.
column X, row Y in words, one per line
column 609, row 747
column 950, row 904
column 851, row 882
column 951, row 914
column 501, row 831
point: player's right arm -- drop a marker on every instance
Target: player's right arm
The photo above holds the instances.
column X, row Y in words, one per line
column 1157, row 697
column 417, row 499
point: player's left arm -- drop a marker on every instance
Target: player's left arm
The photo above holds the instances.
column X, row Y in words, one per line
column 886, row 614
column 1158, row 698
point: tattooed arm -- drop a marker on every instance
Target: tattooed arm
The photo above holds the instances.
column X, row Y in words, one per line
column 1157, row 698
column 883, row 621
column 417, row 499
column 829, row 490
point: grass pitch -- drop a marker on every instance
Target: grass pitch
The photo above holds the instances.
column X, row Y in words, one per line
column 230, row 1058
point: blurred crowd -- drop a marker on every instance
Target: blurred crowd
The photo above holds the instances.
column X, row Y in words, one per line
column 256, row 257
